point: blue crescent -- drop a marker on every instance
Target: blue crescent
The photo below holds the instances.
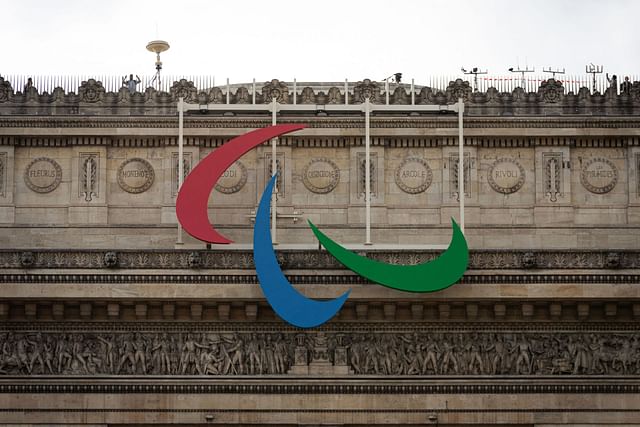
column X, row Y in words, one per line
column 287, row 302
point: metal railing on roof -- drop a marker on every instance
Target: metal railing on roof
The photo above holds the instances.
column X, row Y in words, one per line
column 113, row 83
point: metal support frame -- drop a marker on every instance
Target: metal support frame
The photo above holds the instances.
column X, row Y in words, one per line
column 180, row 156
column 367, row 108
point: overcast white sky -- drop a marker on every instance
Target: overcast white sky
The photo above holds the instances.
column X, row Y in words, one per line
column 325, row 40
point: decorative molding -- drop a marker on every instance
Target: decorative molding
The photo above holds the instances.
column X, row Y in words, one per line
column 321, row 175
column 110, row 260
column 319, row 259
column 426, row 122
column 599, row 175
column 597, row 385
column 413, row 180
column 44, row 179
column 506, row 176
column 140, row 171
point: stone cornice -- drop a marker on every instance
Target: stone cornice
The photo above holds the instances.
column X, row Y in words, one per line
column 321, row 132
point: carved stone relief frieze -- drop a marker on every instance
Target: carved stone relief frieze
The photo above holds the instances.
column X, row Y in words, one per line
column 300, row 259
column 415, row 352
column 88, row 175
column 135, row 175
column 506, row 176
column 321, row 175
column 233, row 179
column 186, row 164
column 413, row 175
column 599, row 175
column 43, row 175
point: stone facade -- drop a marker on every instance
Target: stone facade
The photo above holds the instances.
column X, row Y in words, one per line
column 107, row 319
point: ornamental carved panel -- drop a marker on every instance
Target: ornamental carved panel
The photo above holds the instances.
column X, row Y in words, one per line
column 135, row 175
column 506, row 176
column 413, row 175
column 553, row 170
column 43, row 175
column 88, row 175
column 454, row 175
column 373, row 174
column 599, row 175
column 321, row 175
column 233, row 179
column 186, row 164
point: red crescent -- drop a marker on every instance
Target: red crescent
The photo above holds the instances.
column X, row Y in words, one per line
column 193, row 197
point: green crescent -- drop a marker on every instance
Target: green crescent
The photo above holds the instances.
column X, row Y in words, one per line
column 429, row 276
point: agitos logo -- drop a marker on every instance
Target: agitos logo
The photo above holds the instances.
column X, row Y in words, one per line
column 287, row 302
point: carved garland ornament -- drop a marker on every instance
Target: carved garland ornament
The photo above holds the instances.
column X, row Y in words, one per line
column 506, row 176
column 321, row 176
column 599, row 175
column 414, row 175
column 43, row 175
column 135, row 175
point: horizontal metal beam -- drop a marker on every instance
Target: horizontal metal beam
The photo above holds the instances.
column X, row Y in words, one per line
column 319, row 107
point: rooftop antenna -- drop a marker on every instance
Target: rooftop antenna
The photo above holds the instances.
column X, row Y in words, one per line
column 475, row 71
column 397, row 77
column 523, row 81
column 157, row 47
column 553, row 72
column 593, row 70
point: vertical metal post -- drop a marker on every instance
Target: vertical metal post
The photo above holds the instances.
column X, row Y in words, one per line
column 461, row 162
column 274, row 170
column 413, row 93
column 180, row 155
column 367, row 172
column 386, row 90
column 346, row 92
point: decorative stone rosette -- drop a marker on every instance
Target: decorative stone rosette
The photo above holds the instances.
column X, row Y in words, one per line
column 43, row 175
column 506, row 176
column 135, row 175
column 233, row 179
column 321, row 176
column 599, row 175
column 414, row 175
